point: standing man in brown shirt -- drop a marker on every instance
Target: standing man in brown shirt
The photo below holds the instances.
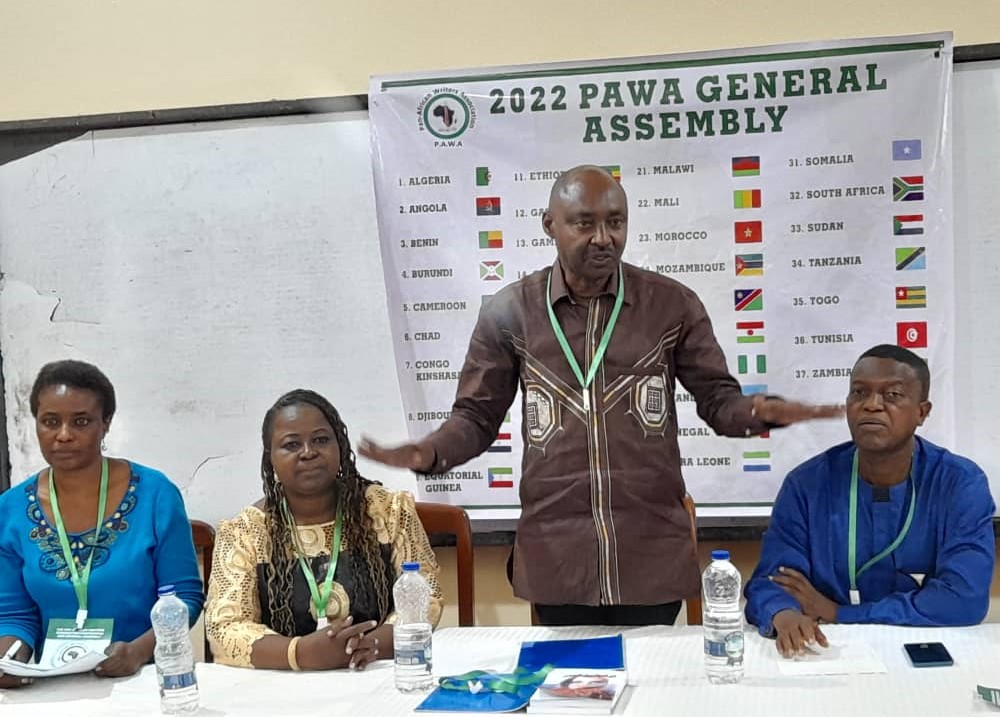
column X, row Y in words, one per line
column 596, row 346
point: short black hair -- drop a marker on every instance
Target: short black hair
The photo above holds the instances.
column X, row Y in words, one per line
column 76, row 374
column 898, row 353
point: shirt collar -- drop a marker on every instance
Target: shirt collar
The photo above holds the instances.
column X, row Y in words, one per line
column 560, row 290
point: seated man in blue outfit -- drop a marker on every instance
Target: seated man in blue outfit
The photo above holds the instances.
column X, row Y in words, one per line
column 887, row 528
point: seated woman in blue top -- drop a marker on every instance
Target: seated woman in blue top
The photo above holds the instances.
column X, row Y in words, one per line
column 888, row 528
column 143, row 540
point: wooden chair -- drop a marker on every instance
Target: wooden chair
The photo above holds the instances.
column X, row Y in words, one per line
column 693, row 603
column 452, row 520
column 204, row 544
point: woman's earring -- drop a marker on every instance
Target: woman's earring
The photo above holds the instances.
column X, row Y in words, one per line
column 104, row 446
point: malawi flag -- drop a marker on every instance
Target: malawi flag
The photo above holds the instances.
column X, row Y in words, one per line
column 491, row 240
column 746, row 166
column 488, row 206
column 746, row 199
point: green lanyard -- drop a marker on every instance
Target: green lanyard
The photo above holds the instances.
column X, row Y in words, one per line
column 80, row 581
column 602, row 347
column 852, row 533
column 320, row 598
column 487, row 681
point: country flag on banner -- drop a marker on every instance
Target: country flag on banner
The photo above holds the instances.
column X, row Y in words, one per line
column 501, row 444
column 911, row 297
column 911, row 334
column 749, row 332
column 491, row 240
column 491, row 270
column 747, row 199
column 756, row 461
column 749, row 265
column 748, row 299
column 615, row 171
column 907, row 224
column 483, row 176
column 748, row 232
column 746, row 166
column 488, row 206
column 908, row 189
column 903, row 149
column 747, row 363
column 911, row 258
column 749, row 389
column 500, row 477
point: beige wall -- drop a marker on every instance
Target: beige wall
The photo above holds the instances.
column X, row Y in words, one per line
column 70, row 57
column 496, row 604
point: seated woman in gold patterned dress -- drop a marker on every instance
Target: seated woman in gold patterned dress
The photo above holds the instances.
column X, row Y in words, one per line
column 277, row 600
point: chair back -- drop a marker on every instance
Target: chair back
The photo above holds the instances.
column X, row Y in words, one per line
column 203, row 535
column 693, row 603
column 453, row 520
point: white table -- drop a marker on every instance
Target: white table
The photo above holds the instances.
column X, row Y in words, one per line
column 665, row 669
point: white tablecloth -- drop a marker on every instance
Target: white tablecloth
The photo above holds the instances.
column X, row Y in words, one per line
column 665, row 669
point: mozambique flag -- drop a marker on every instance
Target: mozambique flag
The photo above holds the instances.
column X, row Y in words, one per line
column 749, row 265
column 746, row 166
column 746, row 199
column 911, row 297
column 491, row 240
column 908, row 189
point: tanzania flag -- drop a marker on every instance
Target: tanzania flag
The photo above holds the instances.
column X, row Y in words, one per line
column 907, row 224
column 483, row 176
column 747, row 199
column 910, row 258
column 488, row 206
column 744, row 363
column 746, row 166
column 615, row 171
column 908, row 189
column 749, row 332
column 911, row 297
column 749, row 265
column 756, row 461
column 748, row 299
column 748, row 232
column 491, row 240
column 500, row 477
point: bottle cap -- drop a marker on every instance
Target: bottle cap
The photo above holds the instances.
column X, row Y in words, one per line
column 410, row 567
column 720, row 555
column 165, row 590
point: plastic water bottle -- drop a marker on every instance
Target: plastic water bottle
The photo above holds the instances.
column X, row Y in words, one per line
column 722, row 620
column 173, row 655
column 411, row 635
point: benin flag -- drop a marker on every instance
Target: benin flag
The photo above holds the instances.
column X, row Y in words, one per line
column 491, row 240
column 746, row 199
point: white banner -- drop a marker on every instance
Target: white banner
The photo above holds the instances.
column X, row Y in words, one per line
column 803, row 191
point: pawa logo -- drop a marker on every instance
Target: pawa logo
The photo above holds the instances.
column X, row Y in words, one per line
column 446, row 114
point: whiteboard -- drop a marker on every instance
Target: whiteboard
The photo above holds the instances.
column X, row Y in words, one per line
column 208, row 268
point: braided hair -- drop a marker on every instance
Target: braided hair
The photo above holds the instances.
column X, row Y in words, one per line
column 369, row 570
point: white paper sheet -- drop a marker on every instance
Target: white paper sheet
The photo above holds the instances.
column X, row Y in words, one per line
column 848, row 658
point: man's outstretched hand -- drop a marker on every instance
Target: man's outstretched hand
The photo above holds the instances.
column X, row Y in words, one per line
column 412, row 456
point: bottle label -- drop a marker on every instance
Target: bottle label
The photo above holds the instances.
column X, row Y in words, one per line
column 731, row 648
column 413, row 656
column 178, row 682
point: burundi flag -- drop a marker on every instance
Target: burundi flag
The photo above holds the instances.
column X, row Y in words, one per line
column 749, row 332
column 903, row 149
column 907, row 224
column 749, row 265
column 491, row 240
column 488, row 206
column 756, row 461
column 748, row 232
column 748, row 299
column 911, row 334
column 483, row 176
column 615, row 171
column 746, row 199
column 911, row 297
column 911, row 258
column 908, row 189
column 748, row 363
column 491, row 270
column 500, row 477
column 746, row 166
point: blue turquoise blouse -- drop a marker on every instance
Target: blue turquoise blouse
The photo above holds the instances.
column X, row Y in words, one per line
column 145, row 543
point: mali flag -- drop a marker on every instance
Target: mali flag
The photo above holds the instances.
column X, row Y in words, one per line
column 491, row 240
column 746, row 199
